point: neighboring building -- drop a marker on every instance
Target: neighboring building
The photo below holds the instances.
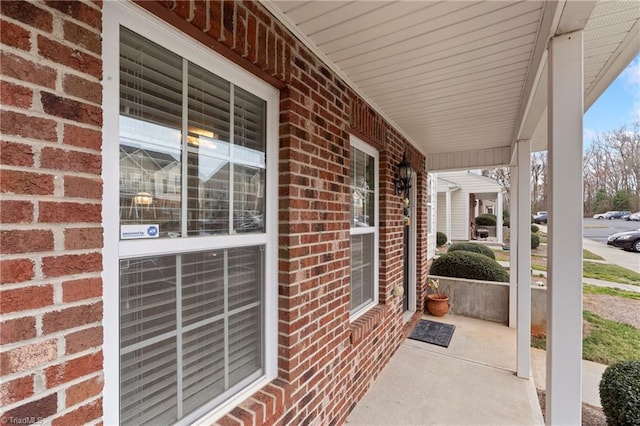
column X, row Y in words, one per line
column 463, row 196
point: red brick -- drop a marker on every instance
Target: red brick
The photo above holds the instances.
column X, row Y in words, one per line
column 79, row 11
column 228, row 21
column 251, row 38
column 71, row 370
column 241, row 30
column 16, row 154
column 84, row 390
column 16, row 390
column 83, row 238
column 40, row 409
column 73, row 58
column 52, row 212
column 81, row 88
column 71, row 264
column 16, row 211
column 215, row 19
column 82, row 137
column 17, row 330
column 73, row 161
column 80, row 187
column 17, row 124
column 82, row 415
column 82, row 37
column 14, row 95
column 26, row 357
column 22, row 299
column 200, row 17
column 182, row 9
column 26, row 70
column 14, row 35
column 28, row 13
column 71, row 317
column 70, row 109
column 16, row 271
column 26, row 241
column 86, row 288
column 83, row 340
column 17, row 182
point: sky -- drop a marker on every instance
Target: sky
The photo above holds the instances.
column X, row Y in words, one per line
column 619, row 105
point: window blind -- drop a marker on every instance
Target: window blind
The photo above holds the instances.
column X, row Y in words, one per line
column 192, row 157
column 168, row 345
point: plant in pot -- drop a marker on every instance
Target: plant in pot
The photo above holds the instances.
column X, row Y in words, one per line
column 437, row 303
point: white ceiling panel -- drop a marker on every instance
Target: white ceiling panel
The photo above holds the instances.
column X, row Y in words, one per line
column 452, row 75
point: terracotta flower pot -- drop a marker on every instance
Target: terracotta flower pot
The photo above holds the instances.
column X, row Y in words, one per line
column 437, row 305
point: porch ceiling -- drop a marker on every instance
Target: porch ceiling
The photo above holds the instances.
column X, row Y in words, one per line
column 457, row 76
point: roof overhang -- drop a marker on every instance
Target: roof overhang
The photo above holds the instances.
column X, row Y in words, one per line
column 463, row 80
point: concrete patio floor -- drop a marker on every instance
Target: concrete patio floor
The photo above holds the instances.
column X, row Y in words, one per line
column 469, row 383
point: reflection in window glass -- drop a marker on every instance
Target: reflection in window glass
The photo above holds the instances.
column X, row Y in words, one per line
column 362, row 189
column 193, row 177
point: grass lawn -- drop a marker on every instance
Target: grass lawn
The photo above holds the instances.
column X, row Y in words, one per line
column 586, row 254
column 592, row 289
column 607, row 341
column 608, row 272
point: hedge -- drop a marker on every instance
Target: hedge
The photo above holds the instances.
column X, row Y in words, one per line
column 466, row 264
column 441, row 239
column 486, row 220
column 620, row 393
column 535, row 241
column 474, row 247
column 534, row 228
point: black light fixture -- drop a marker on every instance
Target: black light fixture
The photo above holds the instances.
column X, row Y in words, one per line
column 402, row 182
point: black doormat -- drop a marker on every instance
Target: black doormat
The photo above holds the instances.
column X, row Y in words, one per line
column 433, row 332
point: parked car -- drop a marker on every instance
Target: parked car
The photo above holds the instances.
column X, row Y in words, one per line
column 540, row 217
column 629, row 240
column 618, row 215
column 604, row 215
column 634, row 216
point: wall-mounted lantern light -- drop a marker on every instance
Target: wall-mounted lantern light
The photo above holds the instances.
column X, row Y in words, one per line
column 402, row 182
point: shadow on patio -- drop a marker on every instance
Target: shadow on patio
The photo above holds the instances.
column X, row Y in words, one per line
column 472, row 382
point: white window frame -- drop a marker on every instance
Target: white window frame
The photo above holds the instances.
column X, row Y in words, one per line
column 133, row 17
column 369, row 150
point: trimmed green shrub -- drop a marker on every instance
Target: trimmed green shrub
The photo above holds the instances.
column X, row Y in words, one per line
column 486, row 220
column 620, row 393
column 535, row 241
column 467, row 264
column 474, row 247
column 441, row 239
column 534, row 228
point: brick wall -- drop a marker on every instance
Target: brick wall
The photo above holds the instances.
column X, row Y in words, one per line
column 51, row 237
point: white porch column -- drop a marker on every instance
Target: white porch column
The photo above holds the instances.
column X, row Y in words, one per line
column 447, row 204
column 564, row 294
column 499, row 207
column 523, row 229
column 513, row 249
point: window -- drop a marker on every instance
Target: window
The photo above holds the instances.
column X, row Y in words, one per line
column 195, row 238
column 364, row 226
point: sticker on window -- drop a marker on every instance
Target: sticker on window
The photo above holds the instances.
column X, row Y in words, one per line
column 130, row 232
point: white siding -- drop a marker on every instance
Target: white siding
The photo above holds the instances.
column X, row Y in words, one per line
column 459, row 215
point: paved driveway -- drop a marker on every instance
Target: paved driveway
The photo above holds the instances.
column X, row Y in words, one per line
column 599, row 229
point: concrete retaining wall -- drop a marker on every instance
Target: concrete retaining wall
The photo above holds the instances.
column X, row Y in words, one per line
column 489, row 300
